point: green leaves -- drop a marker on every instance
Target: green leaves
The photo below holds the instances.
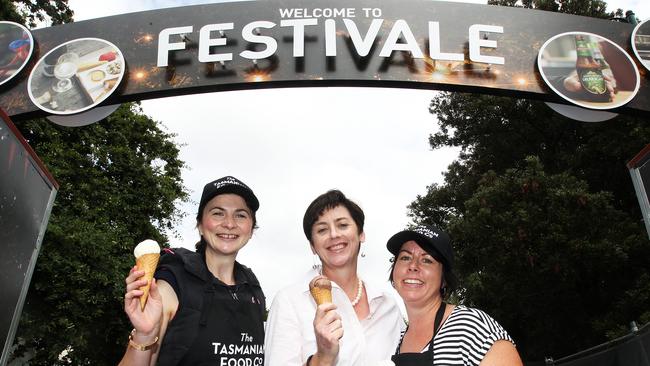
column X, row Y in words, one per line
column 32, row 12
column 120, row 179
column 544, row 220
column 557, row 244
column 591, row 8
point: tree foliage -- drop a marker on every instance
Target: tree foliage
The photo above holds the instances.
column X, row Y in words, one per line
column 32, row 12
column 544, row 217
column 546, row 223
column 545, row 220
column 540, row 251
column 119, row 182
column 590, row 8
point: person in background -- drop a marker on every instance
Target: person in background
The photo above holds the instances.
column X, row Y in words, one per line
column 204, row 308
column 360, row 327
column 440, row 333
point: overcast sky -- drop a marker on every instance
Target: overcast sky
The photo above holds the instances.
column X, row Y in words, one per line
column 290, row 145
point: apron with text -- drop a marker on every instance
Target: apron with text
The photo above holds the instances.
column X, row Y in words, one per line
column 231, row 332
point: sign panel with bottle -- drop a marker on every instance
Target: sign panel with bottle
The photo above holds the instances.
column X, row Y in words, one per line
column 588, row 70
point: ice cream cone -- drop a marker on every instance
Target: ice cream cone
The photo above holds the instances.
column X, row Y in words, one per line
column 146, row 255
column 147, row 263
column 321, row 290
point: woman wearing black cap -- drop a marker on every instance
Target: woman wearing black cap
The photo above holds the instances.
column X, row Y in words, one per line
column 439, row 333
column 204, row 308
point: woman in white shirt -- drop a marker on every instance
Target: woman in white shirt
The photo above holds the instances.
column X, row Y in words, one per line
column 361, row 327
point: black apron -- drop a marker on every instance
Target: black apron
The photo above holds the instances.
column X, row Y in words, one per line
column 419, row 359
column 231, row 333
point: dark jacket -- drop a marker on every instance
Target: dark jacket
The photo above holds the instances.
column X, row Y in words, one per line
column 195, row 287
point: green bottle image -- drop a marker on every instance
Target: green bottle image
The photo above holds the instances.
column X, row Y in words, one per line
column 600, row 59
column 589, row 72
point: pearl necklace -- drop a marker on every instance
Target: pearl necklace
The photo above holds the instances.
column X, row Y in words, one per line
column 356, row 300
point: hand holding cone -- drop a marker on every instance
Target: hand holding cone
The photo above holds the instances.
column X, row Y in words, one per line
column 321, row 289
column 147, row 254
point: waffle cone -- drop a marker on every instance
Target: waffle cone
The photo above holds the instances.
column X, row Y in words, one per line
column 321, row 290
column 148, row 264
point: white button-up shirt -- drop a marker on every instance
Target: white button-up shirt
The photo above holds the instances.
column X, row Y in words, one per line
column 290, row 337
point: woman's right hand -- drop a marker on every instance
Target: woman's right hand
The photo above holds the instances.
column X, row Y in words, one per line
column 329, row 330
column 147, row 322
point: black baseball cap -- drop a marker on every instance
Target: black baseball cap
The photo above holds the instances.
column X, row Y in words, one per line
column 228, row 184
column 430, row 238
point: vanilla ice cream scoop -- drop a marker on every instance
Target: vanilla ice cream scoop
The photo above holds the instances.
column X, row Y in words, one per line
column 146, row 247
column 147, row 254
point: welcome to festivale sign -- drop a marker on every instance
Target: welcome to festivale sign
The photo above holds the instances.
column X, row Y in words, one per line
column 406, row 44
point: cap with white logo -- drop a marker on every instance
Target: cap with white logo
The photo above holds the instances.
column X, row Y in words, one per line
column 224, row 185
column 430, row 238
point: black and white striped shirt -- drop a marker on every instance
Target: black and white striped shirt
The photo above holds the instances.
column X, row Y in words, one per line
column 465, row 337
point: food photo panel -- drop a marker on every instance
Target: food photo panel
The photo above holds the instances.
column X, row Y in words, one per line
column 76, row 76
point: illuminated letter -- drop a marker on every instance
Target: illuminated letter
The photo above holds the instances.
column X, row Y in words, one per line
column 330, row 37
column 164, row 46
column 298, row 33
column 475, row 43
column 205, row 42
column 363, row 45
column 434, row 45
column 401, row 27
column 248, row 34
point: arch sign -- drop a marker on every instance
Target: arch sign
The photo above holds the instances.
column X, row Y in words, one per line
column 285, row 43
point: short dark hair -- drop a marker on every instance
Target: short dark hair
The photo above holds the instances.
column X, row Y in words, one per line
column 449, row 280
column 328, row 201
